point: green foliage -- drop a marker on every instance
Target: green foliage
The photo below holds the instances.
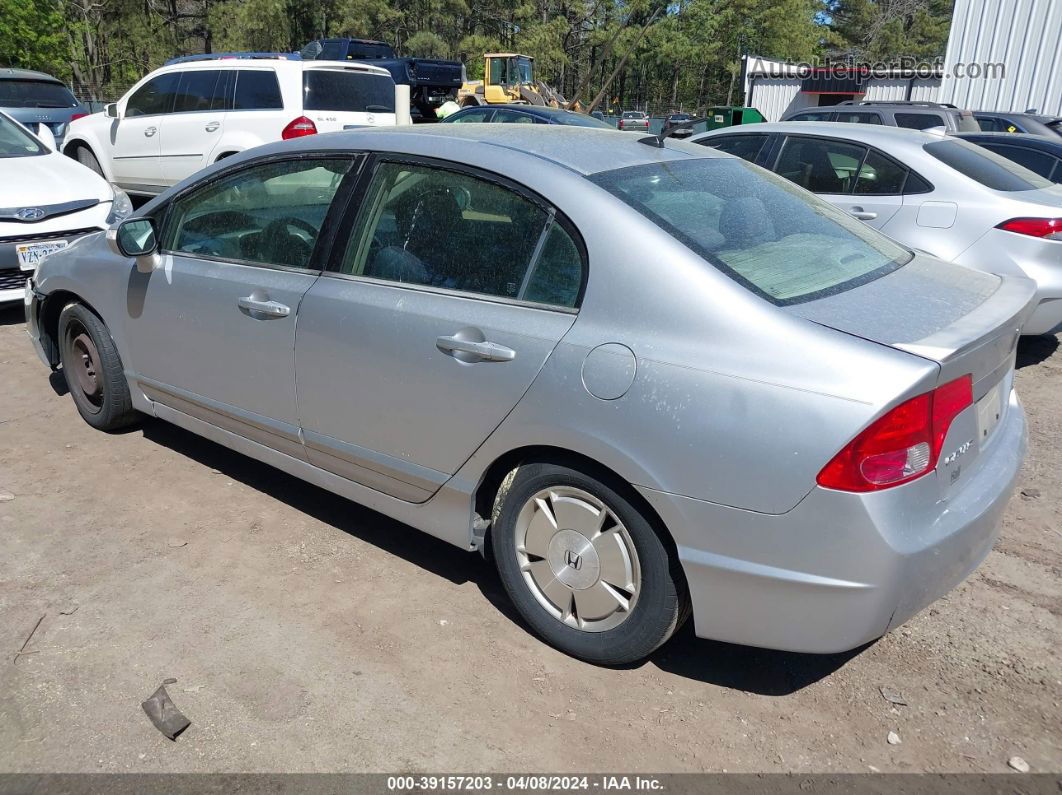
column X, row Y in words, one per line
column 888, row 30
column 33, row 36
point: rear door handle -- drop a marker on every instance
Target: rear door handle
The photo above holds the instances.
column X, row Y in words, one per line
column 862, row 215
column 211, row 126
column 484, row 351
column 269, row 308
column 149, row 131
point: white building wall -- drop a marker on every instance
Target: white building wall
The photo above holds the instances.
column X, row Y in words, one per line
column 776, row 96
column 1025, row 36
column 894, row 89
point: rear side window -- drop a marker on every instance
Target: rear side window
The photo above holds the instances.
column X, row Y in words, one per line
column 257, row 89
column 476, row 116
column 746, row 147
column 919, row 121
column 820, row 165
column 821, row 115
column 434, row 227
column 757, row 228
column 154, row 97
column 347, row 91
column 513, row 117
column 985, row 167
column 35, row 94
column 880, row 176
column 1040, row 162
column 200, row 90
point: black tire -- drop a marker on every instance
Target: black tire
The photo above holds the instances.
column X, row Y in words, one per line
column 662, row 602
column 93, row 370
column 84, row 156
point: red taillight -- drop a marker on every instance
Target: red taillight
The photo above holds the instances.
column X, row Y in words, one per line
column 76, row 116
column 1050, row 228
column 298, row 127
column 902, row 445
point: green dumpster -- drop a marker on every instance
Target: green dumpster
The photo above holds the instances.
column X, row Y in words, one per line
column 727, row 116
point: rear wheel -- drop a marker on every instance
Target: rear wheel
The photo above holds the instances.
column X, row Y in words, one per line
column 584, row 567
column 93, row 370
column 87, row 159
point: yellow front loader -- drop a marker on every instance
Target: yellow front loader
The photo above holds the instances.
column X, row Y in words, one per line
column 508, row 77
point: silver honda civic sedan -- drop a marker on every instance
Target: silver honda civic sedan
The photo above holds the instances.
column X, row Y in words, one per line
column 646, row 380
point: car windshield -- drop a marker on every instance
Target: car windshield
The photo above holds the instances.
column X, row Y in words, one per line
column 341, row 90
column 16, row 142
column 986, row 167
column 761, row 230
column 35, row 94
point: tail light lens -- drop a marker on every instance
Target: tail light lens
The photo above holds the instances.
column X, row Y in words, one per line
column 76, row 116
column 1049, row 228
column 298, row 127
column 902, row 445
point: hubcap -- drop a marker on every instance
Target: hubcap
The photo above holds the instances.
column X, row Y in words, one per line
column 83, row 364
column 577, row 559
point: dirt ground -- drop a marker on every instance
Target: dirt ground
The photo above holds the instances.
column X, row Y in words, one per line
column 309, row 634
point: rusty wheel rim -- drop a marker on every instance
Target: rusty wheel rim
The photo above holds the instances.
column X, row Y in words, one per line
column 83, row 363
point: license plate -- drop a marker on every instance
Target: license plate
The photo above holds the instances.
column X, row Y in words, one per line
column 31, row 254
column 989, row 410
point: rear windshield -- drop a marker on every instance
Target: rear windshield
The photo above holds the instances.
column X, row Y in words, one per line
column 357, row 92
column 633, row 114
column 16, row 142
column 573, row 119
column 782, row 243
column 988, row 168
column 35, row 94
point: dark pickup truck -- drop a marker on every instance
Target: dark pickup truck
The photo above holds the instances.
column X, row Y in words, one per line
column 431, row 82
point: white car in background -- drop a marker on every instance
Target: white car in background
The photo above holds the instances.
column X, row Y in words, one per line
column 931, row 192
column 46, row 203
column 198, row 110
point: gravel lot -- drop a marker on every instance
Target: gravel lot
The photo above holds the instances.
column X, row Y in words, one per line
column 309, row 634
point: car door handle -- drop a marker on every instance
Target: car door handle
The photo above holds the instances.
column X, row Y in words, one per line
column 862, row 215
column 484, row 351
column 212, row 126
column 270, row 308
column 149, row 131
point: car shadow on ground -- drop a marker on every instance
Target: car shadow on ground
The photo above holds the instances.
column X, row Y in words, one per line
column 1033, row 350
column 12, row 314
column 727, row 665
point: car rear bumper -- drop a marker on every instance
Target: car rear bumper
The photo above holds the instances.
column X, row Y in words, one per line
column 840, row 569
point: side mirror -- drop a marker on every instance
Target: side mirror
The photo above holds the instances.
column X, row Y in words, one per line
column 136, row 238
column 111, row 110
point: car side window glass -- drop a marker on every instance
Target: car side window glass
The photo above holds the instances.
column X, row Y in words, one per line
column 512, row 117
column 746, row 147
column 557, row 274
column 435, row 227
column 257, row 89
column 1040, row 162
column 880, row 176
column 1056, row 175
column 222, row 98
column 988, row 123
column 154, row 97
column 195, row 91
column 859, row 118
column 473, row 117
column 269, row 214
column 820, row 165
column 919, row 121
column 915, row 184
column 815, row 116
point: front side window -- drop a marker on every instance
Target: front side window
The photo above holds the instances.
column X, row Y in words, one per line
column 35, row 94
column 198, row 91
column 985, row 166
column 919, row 121
column 759, row 229
column 347, row 91
column 268, row 214
column 16, row 142
column 747, row 147
column 820, row 165
column 257, row 89
column 154, row 97
column 433, row 227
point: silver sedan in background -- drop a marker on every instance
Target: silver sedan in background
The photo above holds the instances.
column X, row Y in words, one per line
column 646, row 380
column 934, row 193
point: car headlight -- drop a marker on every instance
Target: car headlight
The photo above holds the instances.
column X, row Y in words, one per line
column 121, row 207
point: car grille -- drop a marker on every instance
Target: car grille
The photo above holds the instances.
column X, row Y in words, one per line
column 59, row 234
column 13, row 280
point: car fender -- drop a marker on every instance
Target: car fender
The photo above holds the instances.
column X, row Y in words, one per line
column 86, row 132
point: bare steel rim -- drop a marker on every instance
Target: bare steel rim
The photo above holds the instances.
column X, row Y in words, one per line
column 578, row 559
column 83, row 360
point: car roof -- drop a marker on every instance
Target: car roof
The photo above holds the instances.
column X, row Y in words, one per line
column 281, row 63
column 1024, row 139
column 584, row 150
column 1023, row 115
column 533, row 110
column 27, row 74
column 880, row 134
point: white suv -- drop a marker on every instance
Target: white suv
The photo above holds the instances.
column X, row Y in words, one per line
column 195, row 111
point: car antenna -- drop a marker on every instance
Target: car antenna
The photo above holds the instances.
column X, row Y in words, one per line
column 665, row 131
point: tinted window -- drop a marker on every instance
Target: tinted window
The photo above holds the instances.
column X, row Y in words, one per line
column 512, row 117
column 268, row 214
column 198, row 90
column 257, row 90
column 573, row 119
column 820, row 165
column 821, row 115
column 915, row 184
column 1040, row 162
column 985, row 167
column 428, row 226
column 760, row 230
column 154, row 97
column 919, row 121
column 16, row 142
column 35, row 94
column 357, row 92
column 859, row 118
column 744, row 146
column 633, row 114
column 473, row 116
column 879, row 175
